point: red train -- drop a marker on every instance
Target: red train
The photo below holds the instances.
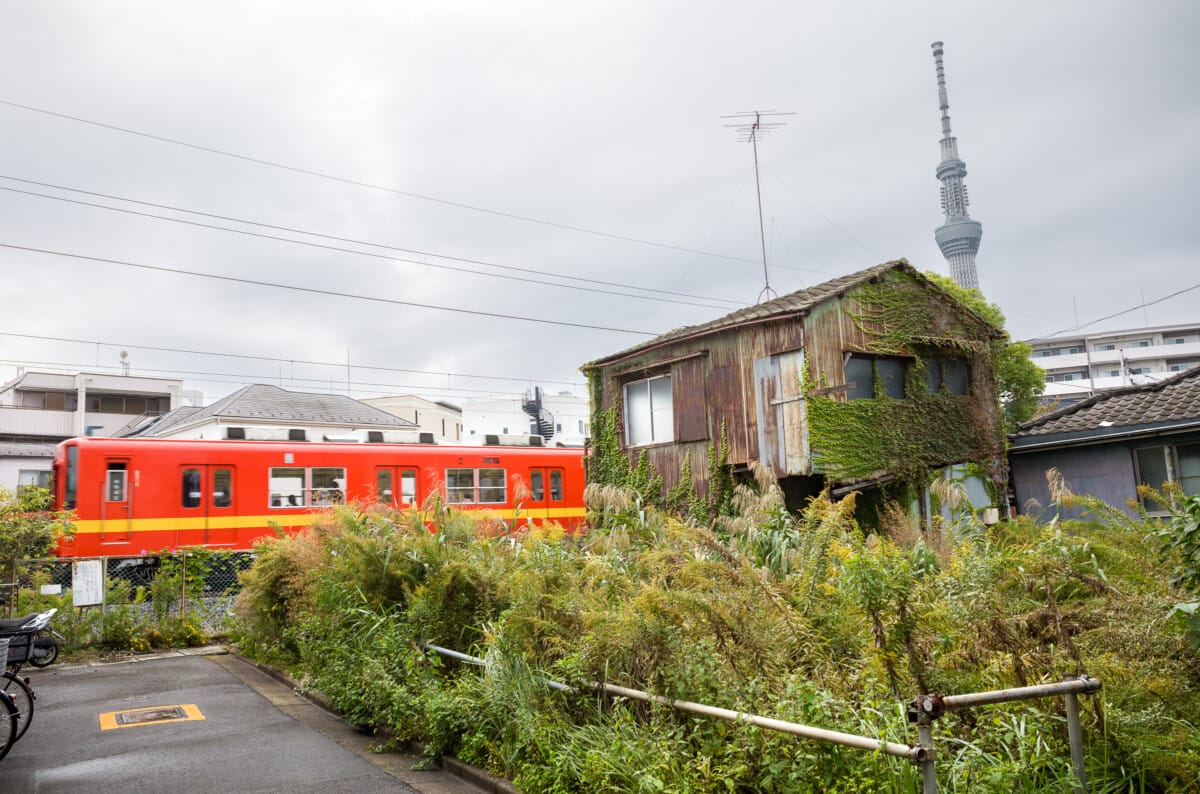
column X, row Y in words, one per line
column 141, row 495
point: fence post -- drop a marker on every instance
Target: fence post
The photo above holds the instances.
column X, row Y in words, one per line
column 1075, row 735
column 182, row 586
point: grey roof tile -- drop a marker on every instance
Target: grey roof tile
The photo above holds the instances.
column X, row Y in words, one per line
column 1174, row 399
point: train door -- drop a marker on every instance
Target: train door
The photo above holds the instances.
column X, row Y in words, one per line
column 396, row 485
column 545, row 494
column 116, row 502
column 206, row 498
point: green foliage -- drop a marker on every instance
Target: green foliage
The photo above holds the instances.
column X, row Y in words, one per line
column 28, row 527
column 796, row 616
column 1019, row 381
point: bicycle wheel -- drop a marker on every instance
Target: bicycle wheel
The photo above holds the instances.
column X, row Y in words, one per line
column 8, row 724
column 22, row 696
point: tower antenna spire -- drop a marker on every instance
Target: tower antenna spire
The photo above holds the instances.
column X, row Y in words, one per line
column 751, row 131
column 959, row 236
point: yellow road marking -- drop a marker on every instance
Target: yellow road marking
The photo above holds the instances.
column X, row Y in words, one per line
column 110, row 720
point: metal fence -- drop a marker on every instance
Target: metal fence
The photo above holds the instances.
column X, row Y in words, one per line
column 93, row 594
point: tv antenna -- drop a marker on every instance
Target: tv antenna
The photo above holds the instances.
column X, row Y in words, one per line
column 750, row 127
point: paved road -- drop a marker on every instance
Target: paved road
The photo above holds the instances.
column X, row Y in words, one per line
column 255, row 735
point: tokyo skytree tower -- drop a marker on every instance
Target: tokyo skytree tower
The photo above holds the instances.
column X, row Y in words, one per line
column 959, row 236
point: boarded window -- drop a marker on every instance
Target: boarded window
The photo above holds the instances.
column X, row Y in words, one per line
column 690, row 400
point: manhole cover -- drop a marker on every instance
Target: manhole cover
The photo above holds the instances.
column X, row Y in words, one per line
column 154, row 715
column 151, row 715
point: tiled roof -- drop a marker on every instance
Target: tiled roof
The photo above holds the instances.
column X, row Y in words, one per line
column 798, row 302
column 273, row 404
column 1176, row 399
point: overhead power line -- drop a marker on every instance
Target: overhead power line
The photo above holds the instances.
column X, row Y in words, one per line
column 1141, row 305
column 247, row 379
column 370, row 185
column 727, row 303
column 341, row 365
column 315, row 291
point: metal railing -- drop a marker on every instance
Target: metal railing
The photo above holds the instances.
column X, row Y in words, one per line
column 923, row 710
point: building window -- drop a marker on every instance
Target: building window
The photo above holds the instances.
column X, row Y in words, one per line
column 33, row 477
column 950, row 373
column 1106, row 347
column 1114, row 373
column 649, row 412
column 1176, row 341
column 1170, row 463
column 1143, row 343
column 297, row 434
column 1070, row 351
column 869, row 375
column 1043, row 353
column 235, row 433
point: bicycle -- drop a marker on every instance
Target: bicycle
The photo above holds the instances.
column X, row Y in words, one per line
column 9, row 721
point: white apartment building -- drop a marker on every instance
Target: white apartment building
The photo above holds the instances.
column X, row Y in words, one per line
column 562, row 420
column 1077, row 366
column 443, row 419
column 38, row 409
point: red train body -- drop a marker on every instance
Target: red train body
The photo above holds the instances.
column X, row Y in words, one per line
column 132, row 496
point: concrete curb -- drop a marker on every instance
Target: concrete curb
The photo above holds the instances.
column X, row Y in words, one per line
column 470, row 774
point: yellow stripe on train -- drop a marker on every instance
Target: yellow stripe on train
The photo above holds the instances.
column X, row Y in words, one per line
column 286, row 520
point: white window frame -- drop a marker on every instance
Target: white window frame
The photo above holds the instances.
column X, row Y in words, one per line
column 659, row 420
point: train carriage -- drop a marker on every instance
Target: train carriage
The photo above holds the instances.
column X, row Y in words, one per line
column 139, row 495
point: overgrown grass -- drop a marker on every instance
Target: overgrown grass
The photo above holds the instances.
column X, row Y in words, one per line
column 797, row 616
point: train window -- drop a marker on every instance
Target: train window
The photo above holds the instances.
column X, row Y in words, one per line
column 287, row 487
column 115, row 484
column 491, row 486
column 536, row 487
column 191, row 488
column 460, row 486
column 383, row 485
column 72, row 478
column 328, row 486
column 556, row 485
column 408, row 486
column 222, row 487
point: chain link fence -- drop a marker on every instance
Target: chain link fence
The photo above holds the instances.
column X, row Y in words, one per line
column 130, row 602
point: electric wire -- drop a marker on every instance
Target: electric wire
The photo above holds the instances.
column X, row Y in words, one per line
column 281, row 359
column 370, row 185
column 315, row 291
column 1141, row 305
column 249, row 379
column 726, row 303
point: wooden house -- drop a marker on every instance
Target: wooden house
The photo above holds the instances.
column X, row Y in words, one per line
column 875, row 376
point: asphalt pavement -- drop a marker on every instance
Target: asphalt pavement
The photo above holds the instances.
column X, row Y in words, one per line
column 196, row 723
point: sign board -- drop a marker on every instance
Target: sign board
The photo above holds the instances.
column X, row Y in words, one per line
column 51, row 589
column 87, row 583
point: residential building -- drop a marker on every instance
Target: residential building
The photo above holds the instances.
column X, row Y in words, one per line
column 443, row 419
column 39, row 408
column 1079, row 365
column 1108, row 444
column 870, row 377
column 262, row 412
column 562, row 419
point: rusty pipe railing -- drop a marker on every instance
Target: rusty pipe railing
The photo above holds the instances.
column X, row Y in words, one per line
column 923, row 710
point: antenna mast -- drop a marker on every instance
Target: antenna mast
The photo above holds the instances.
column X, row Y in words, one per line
column 751, row 131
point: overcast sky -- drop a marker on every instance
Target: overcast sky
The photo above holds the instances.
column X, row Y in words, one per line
column 571, row 144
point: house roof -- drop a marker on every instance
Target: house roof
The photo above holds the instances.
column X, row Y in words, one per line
column 272, row 404
column 1168, row 404
column 795, row 303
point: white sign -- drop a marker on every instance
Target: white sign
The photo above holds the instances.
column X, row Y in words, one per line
column 87, row 583
column 51, row 589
